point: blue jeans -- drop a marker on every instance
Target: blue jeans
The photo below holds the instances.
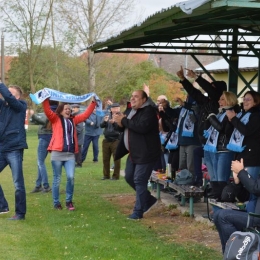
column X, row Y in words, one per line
column 137, row 176
column 228, row 221
column 218, row 165
column 254, row 172
column 3, row 201
column 87, row 140
column 15, row 160
column 57, row 169
column 42, row 177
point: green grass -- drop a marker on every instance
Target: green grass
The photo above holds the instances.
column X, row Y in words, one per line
column 95, row 230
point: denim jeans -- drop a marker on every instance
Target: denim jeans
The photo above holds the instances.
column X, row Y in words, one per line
column 57, row 169
column 15, row 160
column 218, row 165
column 254, row 172
column 228, row 221
column 208, row 158
column 87, row 140
column 42, row 177
column 137, row 176
column 3, row 201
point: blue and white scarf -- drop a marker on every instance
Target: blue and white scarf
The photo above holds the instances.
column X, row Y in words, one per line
column 172, row 143
column 45, row 93
column 212, row 135
column 188, row 124
column 236, row 139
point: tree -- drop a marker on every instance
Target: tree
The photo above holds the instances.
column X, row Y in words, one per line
column 28, row 21
column 93, row 20
column 70, row 71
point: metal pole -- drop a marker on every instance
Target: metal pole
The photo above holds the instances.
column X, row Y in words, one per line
column 2, row 59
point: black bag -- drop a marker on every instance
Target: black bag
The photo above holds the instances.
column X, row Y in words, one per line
column 233, row 192
column 242, row 245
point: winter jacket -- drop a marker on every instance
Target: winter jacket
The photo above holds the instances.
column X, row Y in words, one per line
column 57, row 140
column 253, row 186
column 12, row 119
column 80, row 131
column 206, row 105
column 251, row 132
column 225, row 129
column 143, row 136
column 110, row 132
column 175, row 112
column 95, row 129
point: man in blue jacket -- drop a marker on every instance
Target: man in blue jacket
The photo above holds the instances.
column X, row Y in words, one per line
column 92, row 134
column 12, row 145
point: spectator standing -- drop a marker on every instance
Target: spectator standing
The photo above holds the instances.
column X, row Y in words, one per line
column 109, row 143
column 218, row 135
column 245, row 140
column 63, row 146
column 141, row 140
column 80, row 134
column 92, row 134
column 12, row 145
column 44, row 136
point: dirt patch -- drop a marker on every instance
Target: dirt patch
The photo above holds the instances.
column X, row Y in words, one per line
column 170, row 224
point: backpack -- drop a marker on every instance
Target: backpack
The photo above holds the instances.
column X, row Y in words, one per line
column 184, row 177
column 242, row 245
column 233, row 192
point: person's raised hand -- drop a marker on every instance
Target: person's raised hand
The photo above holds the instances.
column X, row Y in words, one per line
column 191, row 74
column 180, row 74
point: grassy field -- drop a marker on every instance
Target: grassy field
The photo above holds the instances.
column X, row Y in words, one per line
column 97, row 229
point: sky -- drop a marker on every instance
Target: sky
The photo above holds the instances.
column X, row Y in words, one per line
column 153, row 6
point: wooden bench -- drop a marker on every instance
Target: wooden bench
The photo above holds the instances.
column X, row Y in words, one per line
column 155, row 179
column 186, row 191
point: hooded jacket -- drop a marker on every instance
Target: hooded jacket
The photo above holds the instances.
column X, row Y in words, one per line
column 12, row 118
column 143, row 136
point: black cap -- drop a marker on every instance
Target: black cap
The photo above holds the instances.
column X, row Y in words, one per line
column 115, row 105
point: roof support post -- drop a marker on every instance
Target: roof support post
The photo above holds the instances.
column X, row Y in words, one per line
column 233, row 64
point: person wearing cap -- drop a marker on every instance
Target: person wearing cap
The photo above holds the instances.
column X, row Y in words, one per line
column 44, row 136
column 80, row 134
column 110, row 142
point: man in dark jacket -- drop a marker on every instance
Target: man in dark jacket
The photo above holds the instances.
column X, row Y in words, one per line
column 109, row 143
column 141, row 140
column 80, row 134
column 12, row 145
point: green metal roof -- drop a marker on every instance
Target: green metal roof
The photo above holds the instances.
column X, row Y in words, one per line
column 201, row 27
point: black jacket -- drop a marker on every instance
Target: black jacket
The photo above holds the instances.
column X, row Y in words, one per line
column 206, row 105
column 251, row 131
column 253, row 186
column 110, row 130
column 225, row 129
column 143, row 137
